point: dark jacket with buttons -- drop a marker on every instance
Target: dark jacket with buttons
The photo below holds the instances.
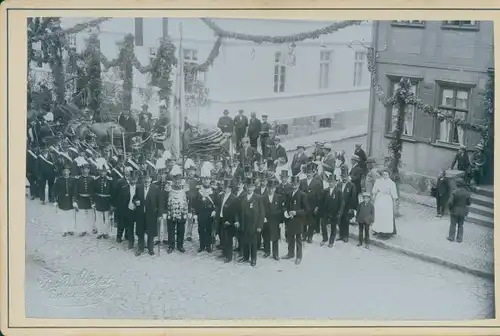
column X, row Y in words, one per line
column 83, row 191
column 103, row 189
column 64, row 192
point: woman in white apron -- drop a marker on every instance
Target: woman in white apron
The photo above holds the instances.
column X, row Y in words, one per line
column 385, row 196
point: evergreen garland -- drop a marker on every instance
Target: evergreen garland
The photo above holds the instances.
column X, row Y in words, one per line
column 126, row 57
column 93, row 65
column 161, row 68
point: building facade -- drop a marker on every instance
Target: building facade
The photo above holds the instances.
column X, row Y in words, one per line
column 448, row 64
column 322, row 83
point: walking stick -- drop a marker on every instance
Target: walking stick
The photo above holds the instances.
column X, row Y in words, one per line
column 159, row 227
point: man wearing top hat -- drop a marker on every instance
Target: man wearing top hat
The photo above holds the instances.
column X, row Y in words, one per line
column 250, row 220
column 265, row 128
column 356, row 174
column 299, row 159
column 318, row 152
column 348, row 204
column 147, row 201
column 64, row 201
column 226, row 217
column 239, row 191
column 248, row 154
column 162, row 183
column 193, row 182
column 47, row 174
column 312, row 187
column 83, row 201
column 240, row 127
column 284, row 188
column 360, row 153
column 102, row 203
column 273, row 204
column 296, row 210
column 330, row 207
column 126, row 207
column 204, row 205
column 177, row 211
column 254, row 128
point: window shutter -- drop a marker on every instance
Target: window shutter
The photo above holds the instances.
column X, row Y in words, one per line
column 423, row 123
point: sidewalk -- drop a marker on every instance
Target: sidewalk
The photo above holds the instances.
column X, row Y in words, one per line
column 422, row 235
column 327, row 136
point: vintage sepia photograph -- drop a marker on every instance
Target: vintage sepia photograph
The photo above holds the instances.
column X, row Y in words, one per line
column 218, row 168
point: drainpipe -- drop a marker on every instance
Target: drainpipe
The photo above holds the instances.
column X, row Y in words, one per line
column 371, row 110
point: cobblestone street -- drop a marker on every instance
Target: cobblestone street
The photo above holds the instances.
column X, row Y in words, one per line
column 345, row 282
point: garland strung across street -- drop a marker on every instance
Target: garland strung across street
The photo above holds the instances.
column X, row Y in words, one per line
column 279, row 39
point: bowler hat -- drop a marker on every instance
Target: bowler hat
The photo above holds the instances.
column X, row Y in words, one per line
column 226, row 112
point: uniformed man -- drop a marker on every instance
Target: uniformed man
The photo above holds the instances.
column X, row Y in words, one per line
column 162, row 183
column 177, row 211
column 78, row 163
column 251, row 220
column 205, row 207
column 64, row 201
column 296, row 210
column 102, row 203
column 264, row 136
column 83, row 202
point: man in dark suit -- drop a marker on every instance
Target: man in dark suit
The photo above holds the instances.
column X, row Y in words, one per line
column 32, row 171
column 205, row 205
column 126, row 206
column 330, row 206
column 312, row 187
column 462, row 161
column 265, row 129
column 250, row 221
column 328, row 161
column 356, row 174
column 443, row 189
column 276, row 154
column 458, row 204
column 240, row 127
column 296, row 210
column 237, row 170
column 299, row 159
column 147, row 199
column 273, row 204
column 47, row 173
column 254, row 128
column 348, row 203
column 248, row 154
column 226, row 123
column 226, row 216
column 360, row 153
column 129, row 125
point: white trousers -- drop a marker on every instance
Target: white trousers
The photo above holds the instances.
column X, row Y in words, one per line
column 66, row 219
column 103, row 222
column 85, row 220
column 163, row 233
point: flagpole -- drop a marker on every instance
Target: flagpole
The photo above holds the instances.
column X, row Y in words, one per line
column 181, row 87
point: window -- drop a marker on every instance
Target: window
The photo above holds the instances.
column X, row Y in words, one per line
column 279, row 72
column 456, row 102
column 359, row 65
column 325, row 123
column 464, row 25
column 325, row 61
column 139, row 32
column 71, row 38
column 190, row 77
column 409, row 23
column 410, row 112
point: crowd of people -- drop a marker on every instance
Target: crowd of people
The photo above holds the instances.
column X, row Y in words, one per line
column 239, row 204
